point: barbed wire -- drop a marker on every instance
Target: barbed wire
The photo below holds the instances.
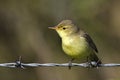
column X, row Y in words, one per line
column 19, row 64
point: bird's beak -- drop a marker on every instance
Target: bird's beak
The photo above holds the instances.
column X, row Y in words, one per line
column 52, row 28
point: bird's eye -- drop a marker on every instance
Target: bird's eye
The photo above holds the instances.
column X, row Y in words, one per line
column 64, row 28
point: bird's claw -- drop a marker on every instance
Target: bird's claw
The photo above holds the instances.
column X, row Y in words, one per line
column 93, row 64
column 69, row 65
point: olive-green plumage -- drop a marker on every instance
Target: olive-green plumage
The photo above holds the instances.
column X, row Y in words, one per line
column 75, row 42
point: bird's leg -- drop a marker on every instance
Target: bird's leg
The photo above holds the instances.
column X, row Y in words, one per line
column 89, row 62
column 92, row 64
column 70, row 63
column 98, row 62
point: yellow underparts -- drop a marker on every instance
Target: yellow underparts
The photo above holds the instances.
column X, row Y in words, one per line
column 76, row 47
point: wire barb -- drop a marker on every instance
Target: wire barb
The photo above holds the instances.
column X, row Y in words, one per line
column 18, row 63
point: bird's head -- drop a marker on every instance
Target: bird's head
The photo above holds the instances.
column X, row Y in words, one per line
column 65, row 28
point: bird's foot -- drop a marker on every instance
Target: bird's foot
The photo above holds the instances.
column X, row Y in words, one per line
column 93, row 64
column 70, row 64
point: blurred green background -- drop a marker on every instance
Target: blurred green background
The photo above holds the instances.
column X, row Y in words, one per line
column 24, row 32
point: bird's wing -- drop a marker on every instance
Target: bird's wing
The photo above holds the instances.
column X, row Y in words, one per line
column 90, row 42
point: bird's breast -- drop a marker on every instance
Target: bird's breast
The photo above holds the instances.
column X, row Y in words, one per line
column 75, row 46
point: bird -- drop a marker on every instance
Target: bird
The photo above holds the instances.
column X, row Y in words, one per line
column 76, row 43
